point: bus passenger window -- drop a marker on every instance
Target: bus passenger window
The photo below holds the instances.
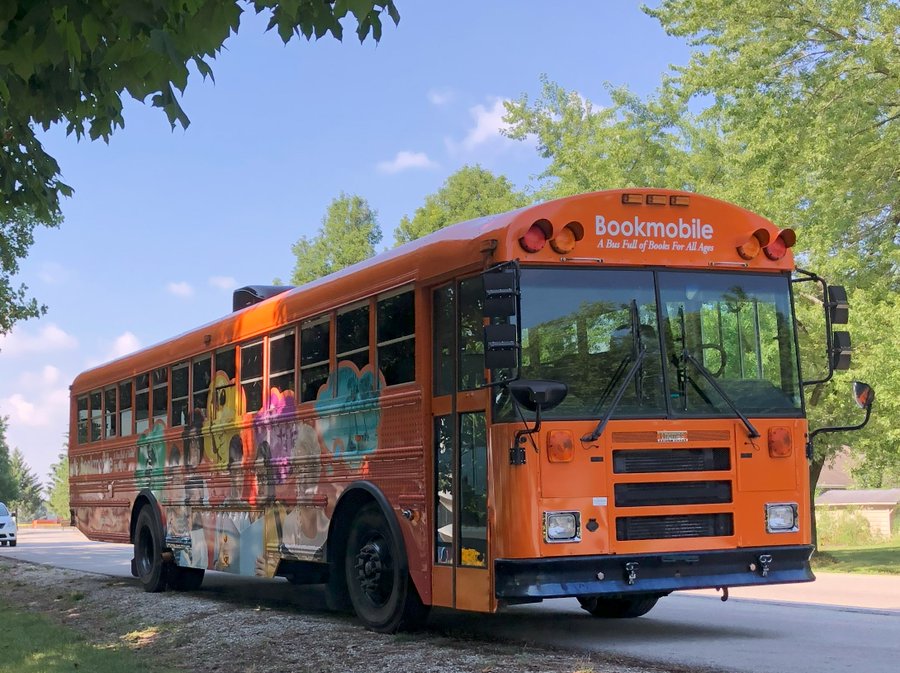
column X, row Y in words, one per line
column 180, row 392
column 443, row 311
column 397, row 338
column 202, row 374
column 142, row 403
column 96, row 415
column 353, row 336
column 281, row 361
column 223, row 404
column 252, row 376
column 126, row 408
column 471, row 333
column 109, row 412
column 160, row 394
column 82, row 406
column 314, row 357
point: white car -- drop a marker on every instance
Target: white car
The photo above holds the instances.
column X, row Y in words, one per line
column 7, row 527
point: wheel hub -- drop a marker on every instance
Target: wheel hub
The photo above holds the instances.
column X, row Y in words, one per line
column 372, row 572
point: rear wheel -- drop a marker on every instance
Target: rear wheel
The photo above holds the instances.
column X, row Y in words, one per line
column 148, row 548
column 618, row 608
column 185, row 579
column 380, row 589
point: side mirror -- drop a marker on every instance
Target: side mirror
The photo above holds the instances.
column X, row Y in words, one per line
column 838, row 307
column 864, row 394
column 537, row 395
column 502, row 335
column 501, row 291
column 501, row 346
column 840, row 351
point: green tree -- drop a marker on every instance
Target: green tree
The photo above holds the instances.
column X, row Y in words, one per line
column 71, row 62
column 29, row 501
column 9, row 486
column 469, row 193
column 799, row 121
column 349, row 234
column 58, row 491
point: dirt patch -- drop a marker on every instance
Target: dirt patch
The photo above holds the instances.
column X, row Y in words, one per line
column 193, row 632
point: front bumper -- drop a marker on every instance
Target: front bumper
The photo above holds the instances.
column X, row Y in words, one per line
column 650, row 573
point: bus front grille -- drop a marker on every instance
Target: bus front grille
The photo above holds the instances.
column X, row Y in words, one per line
column 644, row 461
column 673, row 493
column 674, row 526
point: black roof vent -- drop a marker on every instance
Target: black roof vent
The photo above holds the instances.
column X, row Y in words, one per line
column 253, row 294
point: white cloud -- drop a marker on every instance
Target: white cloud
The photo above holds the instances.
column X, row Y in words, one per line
column 52, row 273
column 488, row 125
column 46, row 377
column 48, row 339
column 405, row 161
column 440, row 96
column 123, row 344
column 180, row 289
column 51, row 407
column 223, row 282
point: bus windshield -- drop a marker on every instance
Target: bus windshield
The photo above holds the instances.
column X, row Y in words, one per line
column 586, row 328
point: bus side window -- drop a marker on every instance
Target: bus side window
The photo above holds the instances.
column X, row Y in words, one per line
column 202, row 379
column 352, row 336
column 109, row 411
column 223, row 406
column 142, row 403
column 282, row 361
column 180, row 390
column 82, row 407
column 252, row 376
column 96, row 415
column 315, row 350
column 126, row 408
column 397, row 338
column 160, row 394
column 471, row 333
column 442, row 330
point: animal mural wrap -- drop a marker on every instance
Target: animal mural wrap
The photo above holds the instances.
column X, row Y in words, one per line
column 151, row 458
column 286, row 473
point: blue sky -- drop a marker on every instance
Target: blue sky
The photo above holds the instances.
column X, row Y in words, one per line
column 165, row 224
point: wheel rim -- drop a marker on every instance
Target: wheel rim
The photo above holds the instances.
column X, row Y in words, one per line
column 375, row 571
column 145, row 552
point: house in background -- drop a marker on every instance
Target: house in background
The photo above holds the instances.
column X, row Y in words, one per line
column 836, row 473
column 879, row 506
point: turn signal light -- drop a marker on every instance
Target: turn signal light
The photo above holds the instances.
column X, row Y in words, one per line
column 780, row 442
column 777, row 248
column 560, row 446
column 754, row 244
column 536, row 236
column 564, row 242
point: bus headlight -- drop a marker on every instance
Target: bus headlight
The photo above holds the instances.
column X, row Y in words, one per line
column 562, row 526
column 781, row 517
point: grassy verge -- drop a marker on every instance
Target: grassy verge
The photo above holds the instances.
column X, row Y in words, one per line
column 32, row 643
column 875, row 559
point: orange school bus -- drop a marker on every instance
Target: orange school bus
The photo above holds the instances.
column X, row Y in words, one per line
column 597, row 397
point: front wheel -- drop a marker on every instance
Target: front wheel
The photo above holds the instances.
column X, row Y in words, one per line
column 618, row 608
column 148, row 548
column 380, row 589
column 12, row 543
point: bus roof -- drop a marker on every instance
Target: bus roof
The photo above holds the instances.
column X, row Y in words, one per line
column 624, row 227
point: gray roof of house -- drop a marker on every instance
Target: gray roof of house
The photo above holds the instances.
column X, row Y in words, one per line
column 872, row 496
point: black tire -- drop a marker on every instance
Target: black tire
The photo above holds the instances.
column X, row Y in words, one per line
column 380, row 588
column 12, row 543
column 618, row 608
column 2, row 543
column 185, row 579
column 148, row 547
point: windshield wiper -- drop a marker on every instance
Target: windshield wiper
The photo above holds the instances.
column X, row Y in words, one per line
column 687, row 356
column 635, row 367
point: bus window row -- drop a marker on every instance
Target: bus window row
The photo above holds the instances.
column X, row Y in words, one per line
column 260, row 366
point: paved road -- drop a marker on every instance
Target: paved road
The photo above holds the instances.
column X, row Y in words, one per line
column 838, row 623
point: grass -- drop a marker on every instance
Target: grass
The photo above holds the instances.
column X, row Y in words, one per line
column 32, row 643
column 873, row 559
